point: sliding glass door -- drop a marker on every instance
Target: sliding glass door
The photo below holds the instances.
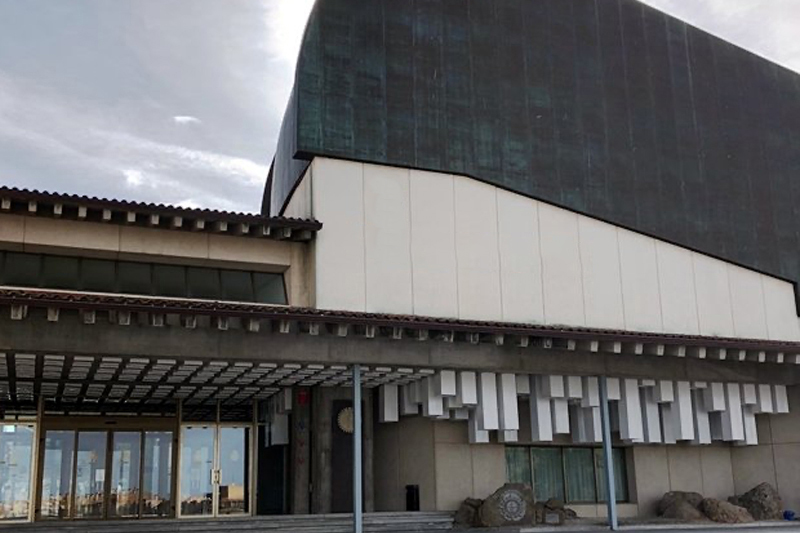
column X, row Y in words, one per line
column 106, row 474
column 215, row 471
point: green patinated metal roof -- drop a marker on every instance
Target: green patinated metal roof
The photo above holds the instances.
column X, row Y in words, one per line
column 606, row 107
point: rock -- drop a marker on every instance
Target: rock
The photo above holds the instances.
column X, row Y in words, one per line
column 554, row 504
column 511, row 505
column 725, row 512
column 539, row 510
column 763, row 502
column 467, row 515
column 570, row 514
column 671, row 498
column 684, row 511
column 554, row 517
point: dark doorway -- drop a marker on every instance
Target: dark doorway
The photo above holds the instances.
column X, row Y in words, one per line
column 342, row 456
column 271, row 490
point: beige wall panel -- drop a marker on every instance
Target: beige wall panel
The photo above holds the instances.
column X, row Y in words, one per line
column 300, row 204
column 417, row 459
column 713, row 296
column 451, row 432
column 520, row 259
column 388, row 496
column 717, row 472
column 782, row 320
column 72, row 234
column 264, row 252
column 337, row 198
column 387, row 231
column 477, row 250
column 12, row 229
column 488, row 469
column 602, row 284
column 787, row 459
column 786, row 427
column 651, row 471
column 685, row 468
column 561, row 267
column 433, row 251
column 453, row 475
column 747, row 300
column 640, row 290
column 144, row 241
column 752, row 465
column 678, row 295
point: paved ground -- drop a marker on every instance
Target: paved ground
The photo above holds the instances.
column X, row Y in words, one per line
column 780, row 527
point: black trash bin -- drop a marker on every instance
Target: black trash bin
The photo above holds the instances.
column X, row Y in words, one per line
column 412, row 498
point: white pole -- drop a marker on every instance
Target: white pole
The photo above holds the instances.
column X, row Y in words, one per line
column 358, row 517
column 608, row 459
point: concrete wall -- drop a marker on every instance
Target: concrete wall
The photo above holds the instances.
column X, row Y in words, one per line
column 659, row 469
column 112, row 241
column 777, row 458
column 405, row 241
column 404, row 455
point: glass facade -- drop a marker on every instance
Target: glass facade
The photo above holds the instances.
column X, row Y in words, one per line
column 19, row 269
column 570, row 474
column 16, row 459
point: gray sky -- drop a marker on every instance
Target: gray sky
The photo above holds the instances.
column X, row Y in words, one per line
column 180, row 101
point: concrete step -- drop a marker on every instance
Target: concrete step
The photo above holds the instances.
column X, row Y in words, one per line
column 334, row 523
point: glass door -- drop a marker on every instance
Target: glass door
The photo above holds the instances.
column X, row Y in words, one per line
column 124, row 493
column 106, row 474
column 197, row 471
column 233, row 471
column 215, row 471
column 16, row 458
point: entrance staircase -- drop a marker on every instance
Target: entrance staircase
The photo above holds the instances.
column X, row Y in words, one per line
column 427, row 522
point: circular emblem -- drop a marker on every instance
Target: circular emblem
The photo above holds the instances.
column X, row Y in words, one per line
column 345, row 420
column 512, row 506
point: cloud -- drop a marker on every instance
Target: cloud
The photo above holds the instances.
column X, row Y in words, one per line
column 186, row 119
column 108, row 159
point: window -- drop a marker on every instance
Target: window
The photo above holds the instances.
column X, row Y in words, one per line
column 98, row 275
column 573, row 475
column 46, row 271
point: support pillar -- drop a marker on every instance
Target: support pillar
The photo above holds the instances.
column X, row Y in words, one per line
column 608, row 459
column 357, row 456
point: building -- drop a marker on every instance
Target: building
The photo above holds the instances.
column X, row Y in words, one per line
column 487, row 206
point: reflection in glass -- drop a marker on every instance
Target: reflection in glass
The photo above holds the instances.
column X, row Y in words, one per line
column 234, row 467
column 125, row 467
column 90, row 474
column 157, row 477
column 16, row 452
column 59, row 449
column 197, row 462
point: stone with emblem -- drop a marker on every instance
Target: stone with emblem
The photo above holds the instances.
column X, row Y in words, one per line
column 511, row 505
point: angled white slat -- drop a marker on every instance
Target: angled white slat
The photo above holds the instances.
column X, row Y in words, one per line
column 507, row 402
column 591, row 392
column 541, row 413
column 630, row 412
column 432, row 403
column 732, row 422
column 467, row 388
column 389, row 405
column 488, row 415
column 702, row 424
column 651, row 416
column 476, row 435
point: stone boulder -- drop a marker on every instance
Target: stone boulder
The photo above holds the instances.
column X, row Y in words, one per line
column 511, row 505
column 684, row 506
column 467, row 515
column 763, row 502
column 725, row 512
column 683, row 511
